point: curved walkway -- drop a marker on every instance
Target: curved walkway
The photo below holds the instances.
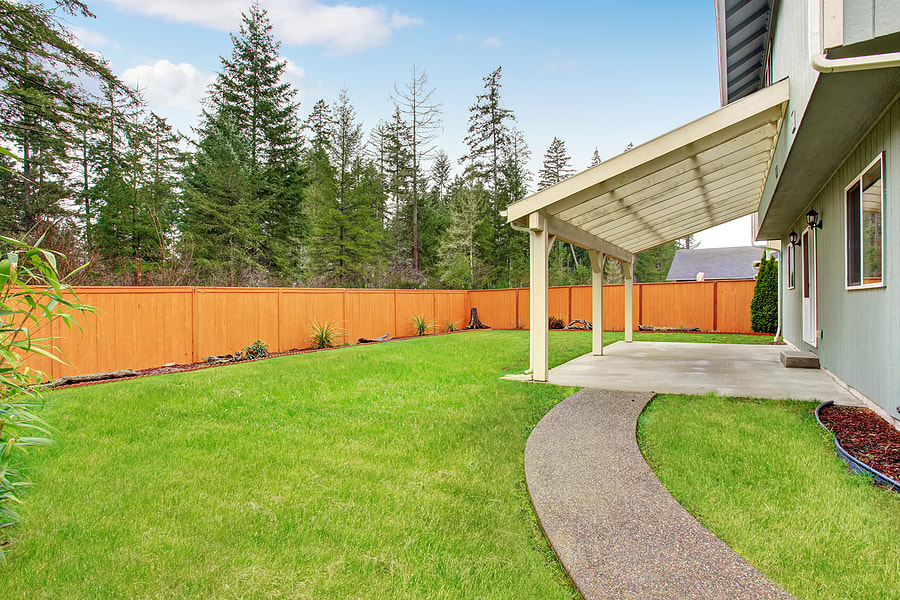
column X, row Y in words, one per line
column 616, row 530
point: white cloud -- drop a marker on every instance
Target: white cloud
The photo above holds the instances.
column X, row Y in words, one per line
column 492, row 42
column 91, row 39
column 459, row 38
column 293, row 72
column 166, row 85
column 340, row 29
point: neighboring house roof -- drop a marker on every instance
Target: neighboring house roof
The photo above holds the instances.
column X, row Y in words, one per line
column 715, row 263
column 743, row 31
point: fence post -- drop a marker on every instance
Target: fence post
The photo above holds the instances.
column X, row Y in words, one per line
column 715, row 306
column 195, row 343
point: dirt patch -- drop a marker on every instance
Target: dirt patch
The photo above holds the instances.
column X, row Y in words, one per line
column 866, row 436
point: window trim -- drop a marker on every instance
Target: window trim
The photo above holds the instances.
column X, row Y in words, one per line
column 858, row 180
column 790, row 270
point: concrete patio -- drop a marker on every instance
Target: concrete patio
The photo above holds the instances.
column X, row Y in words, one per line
column 682, row 368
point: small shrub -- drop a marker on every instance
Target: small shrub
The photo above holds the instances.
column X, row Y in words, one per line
column 422, row 325
column 257, row 349
column 450, row 326
column 325, row 334
column 556, row 323
column 764, row 306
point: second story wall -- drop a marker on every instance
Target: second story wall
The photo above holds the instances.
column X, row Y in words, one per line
column 868, row 19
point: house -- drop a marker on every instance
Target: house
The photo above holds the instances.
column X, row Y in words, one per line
column 808, row 141
column 832, row 190
column 696, row 264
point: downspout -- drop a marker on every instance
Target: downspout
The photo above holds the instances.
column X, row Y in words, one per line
column 822, row 64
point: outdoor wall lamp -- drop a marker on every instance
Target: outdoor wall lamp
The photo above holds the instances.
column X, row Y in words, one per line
column 813, row 220
column 794, row 239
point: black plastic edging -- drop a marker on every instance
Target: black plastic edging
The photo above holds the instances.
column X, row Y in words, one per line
column 853, row 463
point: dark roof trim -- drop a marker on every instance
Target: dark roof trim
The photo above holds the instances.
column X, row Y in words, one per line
column 742, row 28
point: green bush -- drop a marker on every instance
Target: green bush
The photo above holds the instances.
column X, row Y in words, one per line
column 764, row 306
column 258, row 349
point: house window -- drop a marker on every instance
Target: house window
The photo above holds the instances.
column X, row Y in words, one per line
column 865, row 227
column 789, row 259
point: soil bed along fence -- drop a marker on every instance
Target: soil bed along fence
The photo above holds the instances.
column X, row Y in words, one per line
column 143, row 327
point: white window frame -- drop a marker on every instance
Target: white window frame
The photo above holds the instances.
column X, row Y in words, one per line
column 790, row 268
column 858, row 180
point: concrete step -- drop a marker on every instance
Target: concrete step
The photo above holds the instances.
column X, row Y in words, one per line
column 801, row 360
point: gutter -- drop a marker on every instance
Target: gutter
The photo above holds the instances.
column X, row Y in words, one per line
column 822, row 64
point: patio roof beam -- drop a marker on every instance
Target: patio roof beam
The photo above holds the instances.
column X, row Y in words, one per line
column 579, row 237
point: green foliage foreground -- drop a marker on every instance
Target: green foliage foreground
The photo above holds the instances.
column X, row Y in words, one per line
column 387, row 471
column 764, row 477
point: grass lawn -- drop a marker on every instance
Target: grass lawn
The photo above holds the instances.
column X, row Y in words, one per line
column 383, row 471
column 764, row 477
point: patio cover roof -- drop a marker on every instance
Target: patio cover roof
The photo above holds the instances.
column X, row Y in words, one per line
column 703, row 174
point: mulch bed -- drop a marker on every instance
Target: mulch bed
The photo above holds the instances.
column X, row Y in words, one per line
column 866, row 436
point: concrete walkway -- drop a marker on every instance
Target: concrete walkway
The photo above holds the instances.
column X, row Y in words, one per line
column 616, row 530
column 682, row 368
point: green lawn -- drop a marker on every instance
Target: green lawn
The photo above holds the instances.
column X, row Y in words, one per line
column 764, row 477
column 382, row 471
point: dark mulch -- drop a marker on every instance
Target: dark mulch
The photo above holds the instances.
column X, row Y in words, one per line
column 866, row 436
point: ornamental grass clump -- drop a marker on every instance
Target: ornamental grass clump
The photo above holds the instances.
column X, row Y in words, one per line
column 326, row 334
column 422, row 325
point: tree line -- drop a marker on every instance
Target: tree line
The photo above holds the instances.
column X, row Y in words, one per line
column 260, row 195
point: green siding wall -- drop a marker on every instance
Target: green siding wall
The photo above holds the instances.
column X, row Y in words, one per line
column 861, row 328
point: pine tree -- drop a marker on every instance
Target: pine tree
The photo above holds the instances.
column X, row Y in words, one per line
column 557, row 165
column 461, row 266
column 250, row 93
column 595, row 158
column 222, row 228
column 488, row 136
column 343, row 190
column 653, row 265
column 510, row 257
column 440, row 175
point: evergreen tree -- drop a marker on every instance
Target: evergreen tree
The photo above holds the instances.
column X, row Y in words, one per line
column 440, row 175
column 461, row 265
column 510, row 258
column 488, row 136
column 557, row 165
column 764, row 306
column 222, row 228
column 344, row 189
column 250, row 93
column 595, row 158
column 653, row 265
column 42, row 108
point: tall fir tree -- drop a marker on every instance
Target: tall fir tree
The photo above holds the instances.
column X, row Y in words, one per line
column 510, row 257
column 222, row 220
column 557, row 165
column 344, row 189
column 250, row 92
column 595, row 158
column 488, row 135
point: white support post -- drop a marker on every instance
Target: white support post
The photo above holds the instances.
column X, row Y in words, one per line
column 540, row 297
column 628, row 267
column 598, row 260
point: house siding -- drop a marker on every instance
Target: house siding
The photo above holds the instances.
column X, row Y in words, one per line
column 867, row 19
column 790, row 58
column 860, row 332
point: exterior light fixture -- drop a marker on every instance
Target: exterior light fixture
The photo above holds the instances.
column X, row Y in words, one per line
column 813, row 220
column 794, row 239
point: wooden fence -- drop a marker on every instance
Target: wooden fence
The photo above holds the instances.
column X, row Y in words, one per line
column 142, row 327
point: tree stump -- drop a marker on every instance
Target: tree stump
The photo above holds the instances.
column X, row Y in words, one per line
column 474, row 321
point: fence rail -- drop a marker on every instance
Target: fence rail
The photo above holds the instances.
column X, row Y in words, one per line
column 143, row 327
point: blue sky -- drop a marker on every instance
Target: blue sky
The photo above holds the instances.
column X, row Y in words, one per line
column 597, row 73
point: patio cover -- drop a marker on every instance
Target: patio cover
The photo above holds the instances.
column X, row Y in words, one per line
column 703, row 174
